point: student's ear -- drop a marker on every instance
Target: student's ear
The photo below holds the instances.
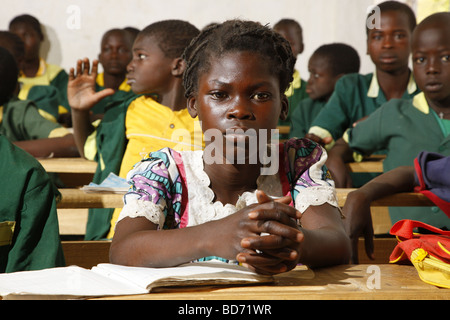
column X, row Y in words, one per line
column 178, row 67
column 284, row 108
column 192, row 107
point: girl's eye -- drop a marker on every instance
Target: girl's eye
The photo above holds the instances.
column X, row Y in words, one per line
column 446, row 58
column 218, row 95
column 141, row 56
column 261, row 96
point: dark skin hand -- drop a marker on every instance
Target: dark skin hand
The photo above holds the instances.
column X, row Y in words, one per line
column 358, row 221
column 232, row 238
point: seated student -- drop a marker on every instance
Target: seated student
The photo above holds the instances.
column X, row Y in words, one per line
column 45, row 97
column 292, row 31
column 406, row 127
column 35, row 70
column 115, row 54
column 141, row 124
column 29, row 231
column 426, row 176
column 356, row 96
column 21, row 122
column 326, row 65
column 198, row 205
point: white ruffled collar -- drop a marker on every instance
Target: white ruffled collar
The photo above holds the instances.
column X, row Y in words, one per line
column 202, row 207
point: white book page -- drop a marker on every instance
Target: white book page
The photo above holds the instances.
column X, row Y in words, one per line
column 66, row 281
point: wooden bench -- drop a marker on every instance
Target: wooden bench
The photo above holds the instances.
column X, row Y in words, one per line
column 76, row 198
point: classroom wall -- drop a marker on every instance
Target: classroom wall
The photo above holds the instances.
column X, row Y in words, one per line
column 74, row 28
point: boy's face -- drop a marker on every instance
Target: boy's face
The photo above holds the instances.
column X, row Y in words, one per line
column 149, row 71
column 431, row 63
column 321, row 80
column 293, row 37
column 115, row 53
column 389, row 46
column 239, row 91
column 32, row 40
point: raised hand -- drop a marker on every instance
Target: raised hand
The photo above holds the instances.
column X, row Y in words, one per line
column 81, row 87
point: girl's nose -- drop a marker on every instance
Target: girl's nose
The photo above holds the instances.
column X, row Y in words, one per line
column 240, row 110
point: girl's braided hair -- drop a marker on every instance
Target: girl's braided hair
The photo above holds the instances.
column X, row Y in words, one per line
column 235, row 36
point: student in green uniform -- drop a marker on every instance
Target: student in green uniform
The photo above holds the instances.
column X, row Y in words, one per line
column 407, row 127
column 21, row 122
column 29, row 231
column 44, row 96
column 356, row 96
column 140, row 124
column 115, row 54
column 35, row 70
column 326, row 65
column 292, row 31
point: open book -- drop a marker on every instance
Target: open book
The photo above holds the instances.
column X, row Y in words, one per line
column 112, row 184
column 112, row 280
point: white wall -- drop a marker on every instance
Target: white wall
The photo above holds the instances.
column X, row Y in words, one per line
column 74, row 27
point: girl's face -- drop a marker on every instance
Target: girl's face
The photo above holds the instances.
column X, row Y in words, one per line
column 115, row 53
column 238, row 92
column 149, row 71
column 321, row 80
column 431, row 64
column 389, row 46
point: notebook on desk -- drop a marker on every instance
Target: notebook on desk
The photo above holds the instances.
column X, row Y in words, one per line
column 111, row 280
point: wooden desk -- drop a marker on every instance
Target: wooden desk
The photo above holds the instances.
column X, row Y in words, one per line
column 76, row 198
column 346, row 282
column 68, row 165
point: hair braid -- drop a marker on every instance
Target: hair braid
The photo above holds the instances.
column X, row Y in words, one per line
column 233, row 36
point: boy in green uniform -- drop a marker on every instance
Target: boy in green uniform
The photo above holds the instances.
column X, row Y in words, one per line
column 327, row 64
column 115, row 54
column 29, row 231
column 407, row 127
column 140, row 124
column 356, row 96
column 292, row 31
column 36, row 71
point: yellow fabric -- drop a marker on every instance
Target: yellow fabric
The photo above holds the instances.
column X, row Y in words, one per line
column 6, row 232
column 374, row 88
column 295, row 84
column 124, row 86
column 90, row 146
column 59, row 132
column 150, row 126
column 431, row 270
column 420, row 102
column 1, row 114
column 428, row 7
column 45, row 74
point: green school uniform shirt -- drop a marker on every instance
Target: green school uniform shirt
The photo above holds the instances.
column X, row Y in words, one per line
column 46, row 98
column 20, row 120
column 403, row 128
column 355, row 96
column 303, row 116
column 29, row 230
column 53, row 75
column 123, row 93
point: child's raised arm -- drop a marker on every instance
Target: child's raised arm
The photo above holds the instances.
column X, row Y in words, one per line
column 82, row 97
